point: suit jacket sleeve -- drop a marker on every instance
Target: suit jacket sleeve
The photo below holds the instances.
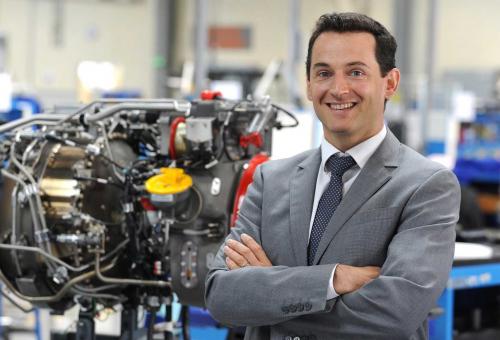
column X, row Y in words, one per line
column 257, row 296
column 416, row 270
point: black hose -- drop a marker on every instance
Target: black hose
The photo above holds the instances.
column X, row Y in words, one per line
column 107, row 159
column 98, row 180
column 288, row 113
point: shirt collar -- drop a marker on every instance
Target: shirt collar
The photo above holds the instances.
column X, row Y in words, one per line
column 361, row 152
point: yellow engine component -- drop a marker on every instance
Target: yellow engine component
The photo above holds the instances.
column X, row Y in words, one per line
column 171, row 181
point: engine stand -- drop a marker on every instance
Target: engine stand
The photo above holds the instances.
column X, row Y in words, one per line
column 85, row 327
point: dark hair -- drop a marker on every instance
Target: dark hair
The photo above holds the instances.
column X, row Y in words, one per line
column 385, row 44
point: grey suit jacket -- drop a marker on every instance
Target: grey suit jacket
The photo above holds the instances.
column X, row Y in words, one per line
column 399, row 214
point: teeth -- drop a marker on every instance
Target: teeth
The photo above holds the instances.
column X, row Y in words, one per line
column 341, row 106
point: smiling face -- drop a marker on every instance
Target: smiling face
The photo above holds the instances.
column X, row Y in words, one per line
column 347, row 88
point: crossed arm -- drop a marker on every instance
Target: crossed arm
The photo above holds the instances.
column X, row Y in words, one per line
column 248, row 252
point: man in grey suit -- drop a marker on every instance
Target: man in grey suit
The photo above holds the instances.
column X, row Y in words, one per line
column 353, row 240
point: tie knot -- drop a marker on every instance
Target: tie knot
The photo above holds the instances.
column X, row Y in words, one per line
column 338, row 165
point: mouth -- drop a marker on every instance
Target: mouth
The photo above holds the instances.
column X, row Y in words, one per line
column 341, row 106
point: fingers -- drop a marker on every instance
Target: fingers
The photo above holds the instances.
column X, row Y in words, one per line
column 235, row 257
column 256, row 249
column 243, row 251
column 231, row 264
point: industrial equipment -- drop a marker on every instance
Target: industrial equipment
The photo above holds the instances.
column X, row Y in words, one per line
column 125, row 202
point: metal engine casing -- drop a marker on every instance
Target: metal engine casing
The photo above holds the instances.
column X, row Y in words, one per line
column 78, row 224
column 61, row 195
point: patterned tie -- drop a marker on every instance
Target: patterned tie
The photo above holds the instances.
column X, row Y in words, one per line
column 329, row 201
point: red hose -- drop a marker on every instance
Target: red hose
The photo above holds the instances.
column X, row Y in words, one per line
column 245, row 180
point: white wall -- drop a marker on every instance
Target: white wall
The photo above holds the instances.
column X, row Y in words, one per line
column 468, row 35
column 119, row 32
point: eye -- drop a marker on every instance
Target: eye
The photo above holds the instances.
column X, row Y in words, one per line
column 323, row 74
column 357, row 73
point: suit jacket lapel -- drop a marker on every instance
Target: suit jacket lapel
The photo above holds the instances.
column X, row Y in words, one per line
column 302, row 187
column 372, row 177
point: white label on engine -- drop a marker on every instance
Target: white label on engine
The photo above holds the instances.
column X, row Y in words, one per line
column 215, row 189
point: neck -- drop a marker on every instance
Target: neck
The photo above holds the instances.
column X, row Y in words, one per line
column 345, row 141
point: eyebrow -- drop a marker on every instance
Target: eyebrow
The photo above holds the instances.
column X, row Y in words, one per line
column 352, row 63
column 357, row 63
column 320, row 65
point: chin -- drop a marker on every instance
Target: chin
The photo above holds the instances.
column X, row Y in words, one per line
column 339, row 130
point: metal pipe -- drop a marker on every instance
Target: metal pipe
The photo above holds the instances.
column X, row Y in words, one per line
column 113, row 101
column 39, row 251
column 30, row 179
column 28, row 150
column 60, row 294
column 97, row 289
column 13, row 238
column 43, row 227
column 77, row 291
column 57, row 260
column 30, row 201
column 43, row 253
column 36, row 119
column 105, row 279
column 167, row 106
column 110, row 153
column 15, row 303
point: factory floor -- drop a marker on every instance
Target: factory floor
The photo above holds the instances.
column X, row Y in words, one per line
column 17, row 325
column 197, row 333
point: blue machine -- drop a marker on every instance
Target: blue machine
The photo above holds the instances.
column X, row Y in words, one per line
column 21, row 104
column 465, row 276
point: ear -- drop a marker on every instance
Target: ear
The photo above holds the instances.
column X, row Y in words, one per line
column 392, row 84
column 309, row 91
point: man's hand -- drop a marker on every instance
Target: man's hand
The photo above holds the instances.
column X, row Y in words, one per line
column 245, row 253
column 347, row 279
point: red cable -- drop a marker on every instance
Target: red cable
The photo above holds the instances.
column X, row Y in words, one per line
column 245, row 180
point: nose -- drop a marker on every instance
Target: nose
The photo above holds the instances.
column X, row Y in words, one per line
column 339, row 86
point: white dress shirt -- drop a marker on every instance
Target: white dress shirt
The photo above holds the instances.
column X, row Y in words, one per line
column 361, row 154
